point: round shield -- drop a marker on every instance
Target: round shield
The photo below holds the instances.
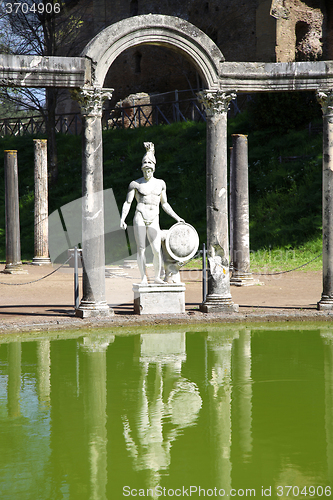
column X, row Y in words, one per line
column 182, row 241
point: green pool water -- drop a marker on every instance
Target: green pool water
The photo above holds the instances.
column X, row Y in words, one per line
column 210, row 412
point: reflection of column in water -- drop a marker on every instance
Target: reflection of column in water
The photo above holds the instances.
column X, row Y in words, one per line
column 14, row 379
column 328, row 363
column 220, row 401
column 94, row 388
column 172, row 398
column 44, row 371
column 242, row 392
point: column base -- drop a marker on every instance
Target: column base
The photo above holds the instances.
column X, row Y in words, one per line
column 325, row 303
column 15, row 269
column 216, row 303
column 90, row 309
column 39, row 261
column 244, row 280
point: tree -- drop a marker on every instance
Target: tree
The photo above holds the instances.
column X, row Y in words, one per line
column 47, row 28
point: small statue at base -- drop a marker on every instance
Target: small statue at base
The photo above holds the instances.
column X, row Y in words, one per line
column 149, row 193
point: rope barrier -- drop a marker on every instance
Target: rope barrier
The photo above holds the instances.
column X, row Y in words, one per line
column 289, row 270
column 39, row 279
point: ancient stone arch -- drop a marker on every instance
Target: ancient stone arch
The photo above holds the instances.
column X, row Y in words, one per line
column 223, row 80
column 179, row 35
column 154, row 29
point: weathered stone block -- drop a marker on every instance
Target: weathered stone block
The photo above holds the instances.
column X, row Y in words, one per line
column 159, row 299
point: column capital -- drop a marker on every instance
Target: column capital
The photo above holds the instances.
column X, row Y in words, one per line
column 325, row 99
column 91, row 99
column 215, row 101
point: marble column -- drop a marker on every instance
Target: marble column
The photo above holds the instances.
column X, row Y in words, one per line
column 93, row 302
column 239, row 180
column 231, row 208
column 219, row 297
column 13, row 243
column 326, row 101
column 41, row 234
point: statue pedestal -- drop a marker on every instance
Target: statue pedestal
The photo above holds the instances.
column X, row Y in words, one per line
column 168, row 298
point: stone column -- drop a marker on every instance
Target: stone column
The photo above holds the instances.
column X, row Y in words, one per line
column 93, row 302
column 41, row 234
column 218, row 298
column 231, row 208
column 239, row 180
column 13, row 243
column 326, row 101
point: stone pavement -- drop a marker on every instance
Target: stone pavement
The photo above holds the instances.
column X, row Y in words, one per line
column 29, row 302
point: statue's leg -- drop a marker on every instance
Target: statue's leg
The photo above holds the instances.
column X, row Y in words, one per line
column 140, row 238
column 154, row 237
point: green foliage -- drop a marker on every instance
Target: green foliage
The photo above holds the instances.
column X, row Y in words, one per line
column 284, row 179
column 285, row 188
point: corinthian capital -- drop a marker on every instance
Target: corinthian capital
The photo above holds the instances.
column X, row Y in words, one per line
column 91, row 99
column 215, row 101
column 325, row 100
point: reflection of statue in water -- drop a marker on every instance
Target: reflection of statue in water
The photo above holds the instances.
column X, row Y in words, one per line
column 164, row 413
column 151, row 446
column 149, row 193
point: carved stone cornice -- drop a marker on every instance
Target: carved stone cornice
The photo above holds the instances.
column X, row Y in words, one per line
column 91, row 99
column 215, row 101
column 325, row 100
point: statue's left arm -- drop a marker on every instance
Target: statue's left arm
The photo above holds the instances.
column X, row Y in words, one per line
column 166, row 207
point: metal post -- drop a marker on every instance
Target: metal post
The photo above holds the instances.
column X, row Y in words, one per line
column 134, row 113
column 76, row 278
column 177, row 106
column 204, row 273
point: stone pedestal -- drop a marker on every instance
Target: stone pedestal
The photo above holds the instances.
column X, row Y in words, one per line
column 219, row 297
column 159, row 299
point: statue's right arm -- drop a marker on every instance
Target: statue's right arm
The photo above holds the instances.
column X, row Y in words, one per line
column 127, row 205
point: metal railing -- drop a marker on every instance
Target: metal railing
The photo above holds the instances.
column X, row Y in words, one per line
column 137, row 115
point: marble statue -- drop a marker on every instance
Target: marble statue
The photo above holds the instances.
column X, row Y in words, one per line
column 149, row 193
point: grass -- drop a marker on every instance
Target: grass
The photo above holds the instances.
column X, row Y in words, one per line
column 271, row 260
